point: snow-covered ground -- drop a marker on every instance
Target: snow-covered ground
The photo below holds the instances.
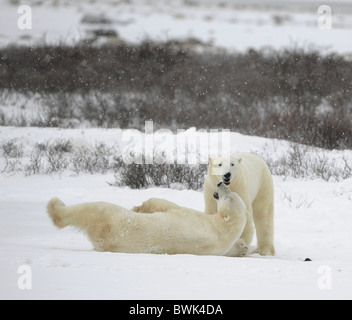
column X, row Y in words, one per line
column 313, row 217
column 313, row 220
column 234, row 24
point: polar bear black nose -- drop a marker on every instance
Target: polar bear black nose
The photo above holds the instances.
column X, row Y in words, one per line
column 227, row 175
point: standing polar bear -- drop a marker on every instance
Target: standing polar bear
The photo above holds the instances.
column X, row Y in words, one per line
column 178, row 230
column 249, row 176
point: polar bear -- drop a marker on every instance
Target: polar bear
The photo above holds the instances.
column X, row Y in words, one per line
column 179, row 231
column 249, row 176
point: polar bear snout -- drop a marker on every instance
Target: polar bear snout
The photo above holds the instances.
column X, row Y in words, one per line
column 227, row 178
column 227, row 175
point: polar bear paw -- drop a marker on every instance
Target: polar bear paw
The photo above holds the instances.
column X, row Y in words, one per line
column 265, row 250
column 240, row 249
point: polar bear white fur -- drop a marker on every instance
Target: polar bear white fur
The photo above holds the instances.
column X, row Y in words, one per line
column 249, row 176
column 177, row 231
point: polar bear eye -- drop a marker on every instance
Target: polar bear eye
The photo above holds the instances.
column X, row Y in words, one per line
column 220, row 164
column 232, row 164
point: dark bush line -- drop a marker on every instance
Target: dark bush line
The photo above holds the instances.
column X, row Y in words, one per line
column 273, row 94
column 248, row 77
column 83, row 68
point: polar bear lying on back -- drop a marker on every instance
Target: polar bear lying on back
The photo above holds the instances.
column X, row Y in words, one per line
column 177, row 231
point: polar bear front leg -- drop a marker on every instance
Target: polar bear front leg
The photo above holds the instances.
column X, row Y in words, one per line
column 264, row 223
column 241, row 247
column 265, row 237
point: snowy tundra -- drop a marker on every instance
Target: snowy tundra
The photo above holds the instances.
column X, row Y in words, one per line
column 232, row 24
column 312, row 220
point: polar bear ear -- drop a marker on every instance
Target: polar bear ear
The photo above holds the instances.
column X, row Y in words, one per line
column 210, row 161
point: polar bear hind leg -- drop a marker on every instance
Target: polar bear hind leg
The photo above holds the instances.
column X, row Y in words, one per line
column 56, row 211
column 95, row 219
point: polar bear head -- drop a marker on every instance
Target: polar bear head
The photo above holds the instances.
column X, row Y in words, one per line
column 224, row 167
column 229, row 203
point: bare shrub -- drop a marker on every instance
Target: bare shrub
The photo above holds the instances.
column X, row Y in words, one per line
column 95, row 19
column 35, row 165
column 97, row 160
column 3, row 121
column 305, row 162
column 329, row 131
column 302, row 201
column 12, row 152
column 56, row 155
column 140, row 176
